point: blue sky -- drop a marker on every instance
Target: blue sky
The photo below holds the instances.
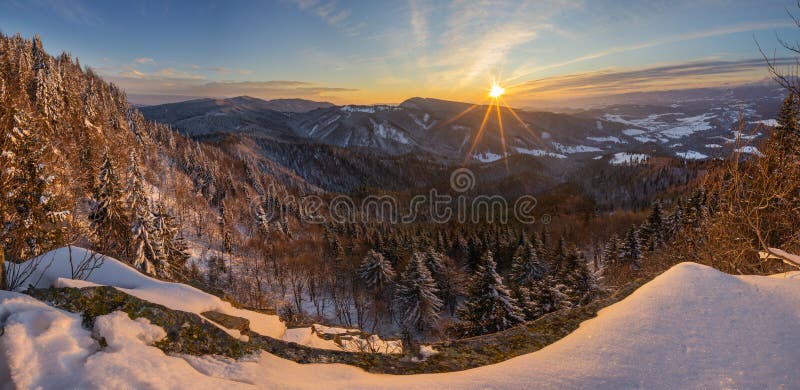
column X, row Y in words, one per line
column 373, row 51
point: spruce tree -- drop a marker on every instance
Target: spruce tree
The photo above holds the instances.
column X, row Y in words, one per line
column 489, row 306
column 612, row 250
column 144, row 253
column 376, row 271
column 526, row 266
column 631, row 248
column 787, row 132
column 32, row 214
column 415, row 298
column 173, row 251
column 106, row 215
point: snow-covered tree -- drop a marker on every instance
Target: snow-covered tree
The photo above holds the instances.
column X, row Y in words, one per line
column 612, row 251
column 32, row 213
column 376, row 271
column 173, row 251
column 489, row 306
column 415, row 297
column 631, row 249
column 107, row 214
column 145, row 250
column 526, row 267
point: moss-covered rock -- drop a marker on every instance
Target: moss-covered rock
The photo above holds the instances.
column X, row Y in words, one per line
column 188, row 333
column 228, row 321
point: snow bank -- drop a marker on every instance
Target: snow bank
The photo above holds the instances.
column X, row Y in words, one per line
column 48, row 348
column 55, row 270
column 691, row 327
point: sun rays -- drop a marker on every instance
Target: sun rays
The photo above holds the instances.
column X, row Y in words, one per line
column 495, row 94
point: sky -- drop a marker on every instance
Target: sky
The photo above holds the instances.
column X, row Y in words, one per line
column 366, row 52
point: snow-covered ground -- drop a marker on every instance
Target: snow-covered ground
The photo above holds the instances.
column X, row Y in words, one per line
column 691, row 327
column 572, row 149
column 487, row 156
column 55, row 271
column 691, row 155
column 624, row 158
column 538, row 152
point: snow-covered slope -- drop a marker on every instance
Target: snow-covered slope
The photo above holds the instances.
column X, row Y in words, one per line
column 692, row 327
column 55, row 270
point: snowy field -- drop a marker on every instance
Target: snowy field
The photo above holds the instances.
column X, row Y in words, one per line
column 692, row 327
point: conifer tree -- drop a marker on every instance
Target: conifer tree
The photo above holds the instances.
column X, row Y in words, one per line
column 631, row 249
column 612, row 250
column 787, row 132
column 107, row 216
column 376, row 271
column 415, row 298
column 173, row 251
column 651, row 235
column 489, row 306
column 144, row 250
column 32, row 214
column 526, row 267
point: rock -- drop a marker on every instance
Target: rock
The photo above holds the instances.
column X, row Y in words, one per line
column 228, row 321
column 187, row 333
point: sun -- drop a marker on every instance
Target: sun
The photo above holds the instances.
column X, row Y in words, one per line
column 496, row 91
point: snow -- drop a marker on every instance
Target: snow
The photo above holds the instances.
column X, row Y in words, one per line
column 624, row 158
column 367, row 109
column 571, row 149
column 691, row 327
column 713, row 146
column 423, row 123
column 633, row 132
column 55, row 267
column 749, row 150
column 691, row 155
column 538, row 152
column 486, row 156
column 671, row 125
column 765, row 122
column 55, row 271
column 689, row 126
column 606, row 139
column 780, row 254
column 385, row 130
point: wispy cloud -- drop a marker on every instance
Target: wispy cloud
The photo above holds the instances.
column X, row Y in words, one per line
column 170, row 81
column 144, row 60
column 419, row 21
column 693, row 74
column 330, row 12
column 479, row 37
column 528, row 70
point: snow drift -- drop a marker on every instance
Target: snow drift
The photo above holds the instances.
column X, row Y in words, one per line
column 55, row 269
column 691, row 327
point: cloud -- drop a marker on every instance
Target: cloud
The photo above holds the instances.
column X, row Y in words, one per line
column 73, row 11
column 144, row 60
column 174, row 82
column 693, row 74
column 479, row 37
column 330, row 13
column 527, row 70
column 419, row 21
